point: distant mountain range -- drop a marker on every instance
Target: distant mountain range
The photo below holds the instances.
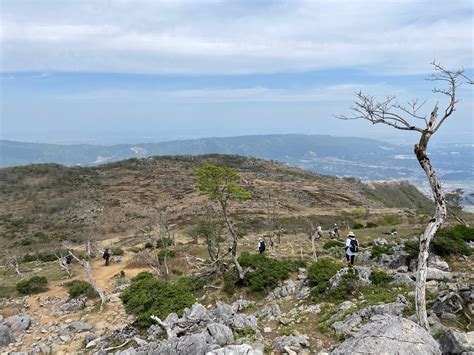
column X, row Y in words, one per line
column 364, row 158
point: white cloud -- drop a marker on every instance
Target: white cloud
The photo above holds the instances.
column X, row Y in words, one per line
column 235, row 37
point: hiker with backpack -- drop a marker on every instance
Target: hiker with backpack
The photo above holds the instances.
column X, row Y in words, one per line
column 319, row 231
column 336, row 230
column 352, row 248
column 106, row 257
column 261, row 245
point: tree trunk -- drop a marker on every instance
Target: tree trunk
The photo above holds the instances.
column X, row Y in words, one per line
column 88, row 269
column 234, row 242
column 313, row 246
column 435, row 223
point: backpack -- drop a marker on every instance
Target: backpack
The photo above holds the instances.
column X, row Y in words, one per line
column 354, row 248
column 262, row 246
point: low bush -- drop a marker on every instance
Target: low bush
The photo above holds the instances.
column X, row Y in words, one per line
column 230, row 279
column 149, row 296
column 452, row 241
column 389, row 220
column 245, row 332
column 319, row 274
column 378, row 250
column 380, row 278
column 36, row 284
column 412, row 248
column 357, row 226
column 333, row 243
column 79, row 288
column 164, row 243
column 359, row 212
column 347, row 288
column 117, row 251
column 43, row 257
column 268, row 271
column 371, row 225
column 148, row 245
column 166, row 252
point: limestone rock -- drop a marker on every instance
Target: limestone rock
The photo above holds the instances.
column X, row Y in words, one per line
column 272, row 310
column 456, row 342
column 295, row 343
column 6, row 336
column 220, row 334
column 19, row 323
column 388, row 334
column 79, row 326
column 436, row 274
column 74, row 304
column 283, row 291
column 244, row 349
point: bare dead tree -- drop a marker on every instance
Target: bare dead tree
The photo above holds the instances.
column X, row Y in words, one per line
column 409, row 118
column 63, row 263
column 167, row 237
column 312, row 233
column 13, row 263
column 88, row 270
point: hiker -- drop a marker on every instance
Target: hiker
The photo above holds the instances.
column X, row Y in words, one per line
column 336, row 230
column 68, row 259
column 352, row 248
column 261, row 246
column 106, row 257
column 319, row 230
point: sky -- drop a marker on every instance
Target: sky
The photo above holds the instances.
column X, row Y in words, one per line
column 126, row 71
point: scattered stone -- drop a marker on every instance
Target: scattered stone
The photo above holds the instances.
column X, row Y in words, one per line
column 449, row 317
column 283, row 291
column 402, row 279
column 436, row 262
column 292, row 342
column 304, row 293
column 380, row 241
column 74, row 304
column 244, row 349
column 267, row 330
column 79, row 326
column 388, row 332
column 454, row 342
column 270, row 311
column 6, row 336
column 241, row 304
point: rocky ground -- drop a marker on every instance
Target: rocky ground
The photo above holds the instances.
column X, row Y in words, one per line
column 285, row 321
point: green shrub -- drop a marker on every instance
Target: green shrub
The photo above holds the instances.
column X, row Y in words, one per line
column 452, row 241
column 43, row 257
column 169, row 254
column 164, row 243
column 287, row 331
column 245, row 332
column 333, row 243
column 319, row 274
column 149, row 296
column 371, row 225
column 357, row 226
column 148, row 245
column 359, row 212
column 412, row 248
column 36, row 284
column 117, row 251
column 230, row 278
column 380, row 278
column 192, row 283
column 294, row 265
column 389, row 220
column 78, row 288
column 378, row 250
column 268, row 271
column 467, row 233
column 348, row 286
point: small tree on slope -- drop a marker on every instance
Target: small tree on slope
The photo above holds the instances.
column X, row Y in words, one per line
column 406, row 118
column 220, row 184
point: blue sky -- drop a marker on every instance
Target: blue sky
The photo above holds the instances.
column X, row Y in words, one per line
column 134, row 71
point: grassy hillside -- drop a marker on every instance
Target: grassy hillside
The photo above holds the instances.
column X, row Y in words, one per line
column 44, row 205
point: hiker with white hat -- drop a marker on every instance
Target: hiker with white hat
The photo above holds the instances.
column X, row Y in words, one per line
column 352, row 248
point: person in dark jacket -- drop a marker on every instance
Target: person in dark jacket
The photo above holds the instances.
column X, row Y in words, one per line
column 106, row 257
column 261, row 245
